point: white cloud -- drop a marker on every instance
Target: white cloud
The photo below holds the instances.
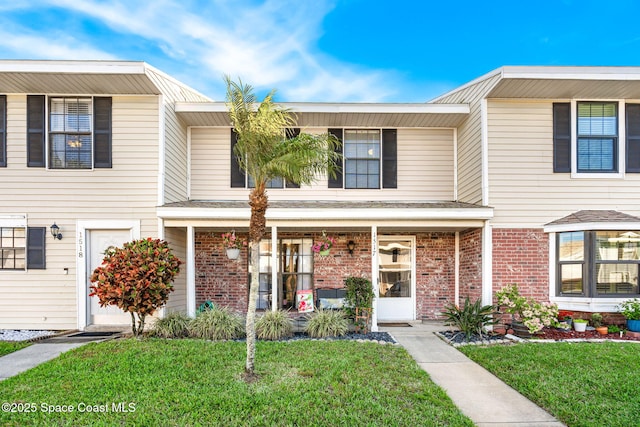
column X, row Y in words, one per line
column 272, row 44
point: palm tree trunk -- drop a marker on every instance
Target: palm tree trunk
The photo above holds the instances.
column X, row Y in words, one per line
column 257, row 225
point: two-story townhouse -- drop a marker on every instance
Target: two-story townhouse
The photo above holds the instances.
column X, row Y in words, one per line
column 554, row 150
column 92, row 147
column 526, row 175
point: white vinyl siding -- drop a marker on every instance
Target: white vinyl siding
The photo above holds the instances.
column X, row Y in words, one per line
column 177, row 238
column 425, row 170
column 470, row 139
column 523, row 188
column 46, row 299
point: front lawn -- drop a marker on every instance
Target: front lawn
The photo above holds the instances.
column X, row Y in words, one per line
column 193, row 382
column 7, row 347
column 582, row 384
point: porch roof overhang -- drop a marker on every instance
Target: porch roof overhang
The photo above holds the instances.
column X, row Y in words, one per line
column 77, row 77
column 544, row 82
column 587, row 220
column 310, row 214
column 416, row 115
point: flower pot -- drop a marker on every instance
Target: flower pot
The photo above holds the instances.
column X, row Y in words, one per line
column 602, row 330
column 233, row 253
column 325, row 252
column 580, row 326
column 520, row 330
column 633, row 325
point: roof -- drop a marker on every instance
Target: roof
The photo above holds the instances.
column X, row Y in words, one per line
column 339, row 114
column 328, row 210
column 83, row 77
column 560, row 82
column 594, row 220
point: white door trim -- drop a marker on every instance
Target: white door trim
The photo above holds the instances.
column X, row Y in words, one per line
column 412, row 238
column 81, row 262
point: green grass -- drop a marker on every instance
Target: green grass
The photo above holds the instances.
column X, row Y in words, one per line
column 7, row 347
column 193, row 382
column 582, row 384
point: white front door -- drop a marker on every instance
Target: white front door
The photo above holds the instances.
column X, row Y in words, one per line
column 396, row 278
column 97, row 242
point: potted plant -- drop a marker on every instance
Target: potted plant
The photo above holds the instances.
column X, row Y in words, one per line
column 359, row 301
column 596, row 321
column 580, row 325
column 630, row 309
column 232, row 244
column 324, row 245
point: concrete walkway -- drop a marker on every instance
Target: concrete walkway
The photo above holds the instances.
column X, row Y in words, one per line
column 21, row 360
column 479, row 394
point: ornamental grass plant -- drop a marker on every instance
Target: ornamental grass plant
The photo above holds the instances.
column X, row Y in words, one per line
column 327, row 323
column 274, row 325
column 219, row 323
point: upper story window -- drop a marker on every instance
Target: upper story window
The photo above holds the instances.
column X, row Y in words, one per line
column 362, row 158
column 79, row 132
column 597, row 137
column 598, row 263
column 590, row 137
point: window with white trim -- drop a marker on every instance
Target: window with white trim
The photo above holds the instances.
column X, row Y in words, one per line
column 362, row 158
column 598, row 263
column 13, row 248
column 597, row 137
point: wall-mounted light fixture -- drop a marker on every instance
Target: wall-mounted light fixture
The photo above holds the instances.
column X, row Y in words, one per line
column 55, row 232
column 351, row 245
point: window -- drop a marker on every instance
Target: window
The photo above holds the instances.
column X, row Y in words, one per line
column 13, row 244
column 597, row 139
column 362, row 158
column 598, row 263
column 295, row 272
column 79, row 135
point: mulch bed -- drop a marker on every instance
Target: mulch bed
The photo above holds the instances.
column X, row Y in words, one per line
column 556, row 334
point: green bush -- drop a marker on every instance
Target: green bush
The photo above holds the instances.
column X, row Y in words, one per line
column 358, row 294
column 471, row 319
column 219, row 323
column 174, row 325
column 630, row 309
column 274, row 325
column 327, row 323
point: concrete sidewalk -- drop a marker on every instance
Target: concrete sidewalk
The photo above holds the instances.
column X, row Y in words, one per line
column 27, row 358
column 479, row 394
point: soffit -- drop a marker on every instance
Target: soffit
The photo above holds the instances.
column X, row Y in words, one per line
column 341, row 115
column 75, row 77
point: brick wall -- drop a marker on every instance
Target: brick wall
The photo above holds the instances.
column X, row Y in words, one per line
column 521, row 256
column 225, row 282
column 470, row 265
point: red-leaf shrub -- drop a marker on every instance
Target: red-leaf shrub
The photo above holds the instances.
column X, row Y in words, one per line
column 136, row 278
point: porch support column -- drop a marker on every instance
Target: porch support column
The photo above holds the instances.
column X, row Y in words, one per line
column 374, row 277
column 191, row 272
column 456, row 270
column 487, row 264
column 274, row 268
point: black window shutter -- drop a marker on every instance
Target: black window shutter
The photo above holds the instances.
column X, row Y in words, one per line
column 102, row 133
column 292, row 133
column 237, row 174
column 562, row 137
column 36, row 259
column 633, row 138
column 35, row 131
column 337, row 181
column 389, row 158
column 3, row 130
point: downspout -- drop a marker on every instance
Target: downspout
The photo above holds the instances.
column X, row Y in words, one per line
column 487, row 234
column 191, row 272
column 456, row 270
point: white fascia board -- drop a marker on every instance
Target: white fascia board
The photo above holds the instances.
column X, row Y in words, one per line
column 571, row 73
column 588, row 226
column 337, row 108
column 329, row 214
column 72, row 67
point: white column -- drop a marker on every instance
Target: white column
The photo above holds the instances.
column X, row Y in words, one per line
column 374, row 276
column 456, row 270
column 191, row 272
column 487, row 264
column 274, row 268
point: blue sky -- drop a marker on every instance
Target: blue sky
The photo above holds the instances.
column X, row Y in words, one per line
column 326, row 50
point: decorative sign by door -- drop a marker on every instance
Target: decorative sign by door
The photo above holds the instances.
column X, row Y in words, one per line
column 305, row 300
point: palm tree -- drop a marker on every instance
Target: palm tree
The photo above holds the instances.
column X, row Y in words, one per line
column 264, row 153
